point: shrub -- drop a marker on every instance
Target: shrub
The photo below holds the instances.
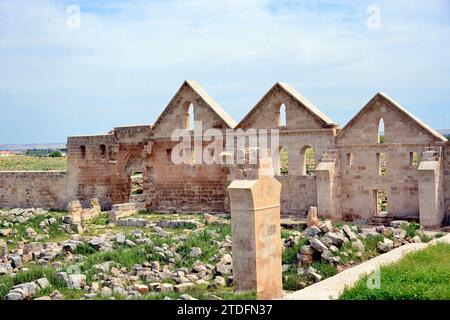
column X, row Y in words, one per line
column 55, row 154
column 411, row 229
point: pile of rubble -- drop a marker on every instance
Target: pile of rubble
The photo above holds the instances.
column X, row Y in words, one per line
column 21, row 216
column 325, row 243
column 110, row 278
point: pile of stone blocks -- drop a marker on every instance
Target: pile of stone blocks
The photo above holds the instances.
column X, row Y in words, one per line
column 121, row 210
column 78, row 215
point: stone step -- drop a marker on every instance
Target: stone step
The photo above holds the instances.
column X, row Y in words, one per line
column 377, row 221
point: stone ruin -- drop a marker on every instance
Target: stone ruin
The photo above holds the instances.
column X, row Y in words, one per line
column 354, row 174
column 256, row 233
column 78, row 215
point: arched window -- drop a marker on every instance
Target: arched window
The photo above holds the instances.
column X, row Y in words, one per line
column 308, row 161
column 283, row 162
column 191, row 117
column 381, row 131
column 282, row 120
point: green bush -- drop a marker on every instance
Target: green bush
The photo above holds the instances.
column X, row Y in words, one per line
column 55, row 154
column 411, row 229
column 290, row 254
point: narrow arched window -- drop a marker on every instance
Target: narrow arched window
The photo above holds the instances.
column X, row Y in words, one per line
column 381, row 131
column 191, row 121
column 282, row 120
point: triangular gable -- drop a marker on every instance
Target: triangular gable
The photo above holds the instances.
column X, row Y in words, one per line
column 288, row 89
column 211, row 103
column 396, row 106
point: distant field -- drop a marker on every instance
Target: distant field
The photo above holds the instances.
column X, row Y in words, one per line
column 25, row 163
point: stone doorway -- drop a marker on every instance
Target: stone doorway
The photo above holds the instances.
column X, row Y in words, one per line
column 381, row 203
column 135, row 174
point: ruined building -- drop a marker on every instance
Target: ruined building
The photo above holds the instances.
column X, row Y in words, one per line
column 354, row 173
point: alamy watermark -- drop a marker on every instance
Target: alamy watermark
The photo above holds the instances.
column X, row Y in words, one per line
column 73, row 21
column 214, row 146
column 373, row 22
column 374, row 280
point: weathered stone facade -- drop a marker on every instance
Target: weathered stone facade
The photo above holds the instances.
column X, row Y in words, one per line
column 347, row 161
column 33, row 189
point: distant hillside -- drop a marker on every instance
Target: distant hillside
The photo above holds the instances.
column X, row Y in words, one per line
column 445, row 132
column 24, row 147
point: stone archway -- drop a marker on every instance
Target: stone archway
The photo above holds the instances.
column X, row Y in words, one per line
column 128, row 162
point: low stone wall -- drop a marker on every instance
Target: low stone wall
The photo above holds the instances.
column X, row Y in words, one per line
column 40, row 189
column 121, row 210
column 298, row 193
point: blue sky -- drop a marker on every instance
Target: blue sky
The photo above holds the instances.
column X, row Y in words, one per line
column 128, row 59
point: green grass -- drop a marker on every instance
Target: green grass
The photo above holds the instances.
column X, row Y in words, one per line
column 26, row 163
column 202, row 240
column 309, row 158
column 421, row 275
column 411, row 229
column 53, row 232
column 101, row 220
column 35, row 273
column 203, row 294
column 370, row 245
column 290, row 254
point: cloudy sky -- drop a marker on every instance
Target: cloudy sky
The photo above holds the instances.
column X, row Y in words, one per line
column 127, row 59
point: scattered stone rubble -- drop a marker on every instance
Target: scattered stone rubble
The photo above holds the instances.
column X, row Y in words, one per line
column 21, row 216
column 325, row 243
column 111, row 278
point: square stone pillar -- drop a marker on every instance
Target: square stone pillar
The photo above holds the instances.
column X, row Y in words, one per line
column 431, row 209
column 325, row 173
column 256, row 233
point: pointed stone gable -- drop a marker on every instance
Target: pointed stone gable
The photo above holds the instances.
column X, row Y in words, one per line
column 400, row 125
column 302, row 113
column 208, row 111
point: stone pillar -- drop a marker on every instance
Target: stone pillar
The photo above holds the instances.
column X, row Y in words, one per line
column 75, row 211
column 256, row 233
column 430, row 189
column 325, row 173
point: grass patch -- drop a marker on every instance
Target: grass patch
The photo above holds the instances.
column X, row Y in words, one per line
column 290, row 254
column 202, row 240
column 35, row 273
column 411, row 229
column 52, row 232
column 101, row 220
column 421, row 275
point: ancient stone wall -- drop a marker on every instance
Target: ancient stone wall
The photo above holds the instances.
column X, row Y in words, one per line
column 446, row 152
column 298, row 193
column 184, row 187
column 361, row 154
column 347, row 161
column 45, row 190
column 90, row 163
